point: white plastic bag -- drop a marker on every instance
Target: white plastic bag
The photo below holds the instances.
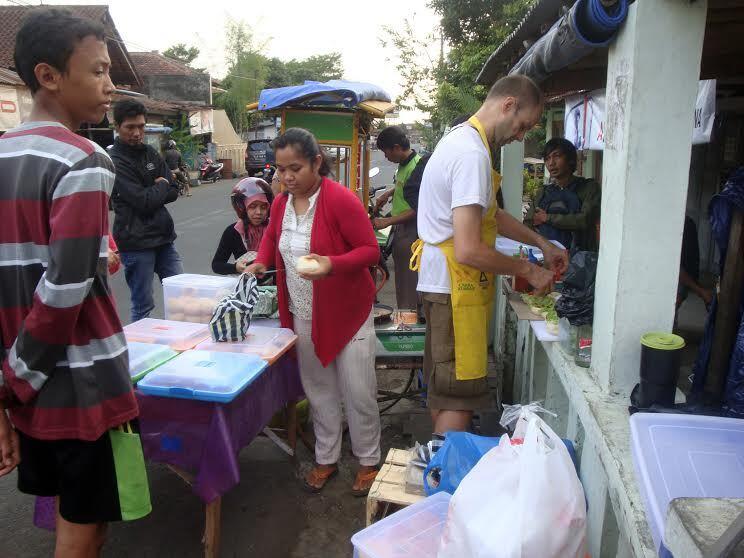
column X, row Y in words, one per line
column 521, row 501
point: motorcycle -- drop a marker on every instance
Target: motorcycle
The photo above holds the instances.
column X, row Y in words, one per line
column 385, row 241
column 209, row 170
column 268, row 173
column 181, row 176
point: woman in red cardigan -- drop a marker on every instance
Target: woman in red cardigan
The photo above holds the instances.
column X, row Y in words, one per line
column 330, row 307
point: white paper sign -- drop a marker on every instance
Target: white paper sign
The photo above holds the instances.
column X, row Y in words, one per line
column 15, row 106
column 705, row 112
column 584, row 120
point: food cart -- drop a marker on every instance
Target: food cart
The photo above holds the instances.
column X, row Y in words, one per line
column 339, row 113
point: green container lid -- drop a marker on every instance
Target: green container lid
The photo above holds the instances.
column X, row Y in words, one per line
column 662, row 341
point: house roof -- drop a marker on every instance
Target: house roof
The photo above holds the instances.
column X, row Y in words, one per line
column 723, row 53
column 9, row 77
column 122, row 70
column 155, row 64
column 161, row 107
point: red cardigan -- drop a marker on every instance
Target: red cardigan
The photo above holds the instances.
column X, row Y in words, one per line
column 342, row 300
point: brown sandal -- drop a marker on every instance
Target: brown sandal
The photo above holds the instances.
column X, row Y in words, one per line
column 365, row 480
column 317, row 478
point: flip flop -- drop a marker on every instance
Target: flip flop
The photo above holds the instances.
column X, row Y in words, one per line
column 367, row 479
column 318, row 476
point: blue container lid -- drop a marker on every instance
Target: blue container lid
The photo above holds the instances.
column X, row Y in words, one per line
column 204, row 375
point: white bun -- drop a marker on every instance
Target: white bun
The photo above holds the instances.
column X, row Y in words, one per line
column 305, row 264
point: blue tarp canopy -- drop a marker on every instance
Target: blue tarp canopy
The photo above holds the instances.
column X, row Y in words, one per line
column 316, row 94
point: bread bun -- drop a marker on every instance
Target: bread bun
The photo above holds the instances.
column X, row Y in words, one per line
column 306, row 264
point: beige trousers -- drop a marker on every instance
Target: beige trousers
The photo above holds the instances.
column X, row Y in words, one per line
column 349, row 380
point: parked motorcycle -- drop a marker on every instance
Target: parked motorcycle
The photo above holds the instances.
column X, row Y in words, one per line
column 209, row 170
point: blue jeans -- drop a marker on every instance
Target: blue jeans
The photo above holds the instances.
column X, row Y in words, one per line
column 139, row 266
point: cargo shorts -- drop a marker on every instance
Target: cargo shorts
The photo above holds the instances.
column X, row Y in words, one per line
column 444, row 390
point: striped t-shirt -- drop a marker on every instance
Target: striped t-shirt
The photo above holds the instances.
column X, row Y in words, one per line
column 64, row 357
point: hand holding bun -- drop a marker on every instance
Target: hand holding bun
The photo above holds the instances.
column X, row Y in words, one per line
column 313, row 267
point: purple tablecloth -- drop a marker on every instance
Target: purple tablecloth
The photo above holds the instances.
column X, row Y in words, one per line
column 205, row 438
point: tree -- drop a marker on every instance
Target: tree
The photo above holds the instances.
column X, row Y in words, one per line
column 182, row 53
column 247, row 72
column 446, row 88
column 320, row 67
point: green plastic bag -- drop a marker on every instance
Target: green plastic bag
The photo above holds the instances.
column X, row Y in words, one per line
column 131, row 475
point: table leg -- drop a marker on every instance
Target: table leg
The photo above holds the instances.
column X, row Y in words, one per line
column 306, row 438
column 213, row 528
column 292, row 426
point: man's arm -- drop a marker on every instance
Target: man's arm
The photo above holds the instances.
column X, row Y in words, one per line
column 383, row 222
column 513, row 229
column 584, row 218
column 145, row 199
column 470, row 250
column 689, row 281
column 78, row 222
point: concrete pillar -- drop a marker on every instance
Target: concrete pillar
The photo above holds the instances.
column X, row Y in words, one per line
column 512, row 177
column 652, row 76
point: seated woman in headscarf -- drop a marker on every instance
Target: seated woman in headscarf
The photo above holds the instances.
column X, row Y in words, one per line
column 251, row 199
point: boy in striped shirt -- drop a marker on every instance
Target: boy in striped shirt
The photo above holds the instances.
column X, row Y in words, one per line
column 65, row 381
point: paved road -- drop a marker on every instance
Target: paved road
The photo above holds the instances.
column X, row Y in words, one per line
column 267, row 515
column 200, row 221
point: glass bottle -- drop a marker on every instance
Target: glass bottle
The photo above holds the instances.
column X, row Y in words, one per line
column 584, row 346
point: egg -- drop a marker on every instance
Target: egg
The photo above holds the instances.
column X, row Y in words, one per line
column 206, row 306
column 189, row 305
column 175, row 304
column 305, row 264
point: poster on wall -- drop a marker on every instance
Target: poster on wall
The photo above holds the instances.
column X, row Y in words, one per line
column 584, row 117
column 201, row 122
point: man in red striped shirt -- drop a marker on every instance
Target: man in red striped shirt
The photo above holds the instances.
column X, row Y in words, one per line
column 65, row 380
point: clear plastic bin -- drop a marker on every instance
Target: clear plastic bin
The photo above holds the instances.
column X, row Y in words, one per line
column 179, row 336
column 267, row 342
column 203, row 375
column 145, row 357
column 413, row 532
column 192, row 298
column 679, row 455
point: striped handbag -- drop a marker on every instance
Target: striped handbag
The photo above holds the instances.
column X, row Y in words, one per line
column 232, row 316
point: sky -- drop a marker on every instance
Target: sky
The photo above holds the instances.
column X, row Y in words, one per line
column 290, row 28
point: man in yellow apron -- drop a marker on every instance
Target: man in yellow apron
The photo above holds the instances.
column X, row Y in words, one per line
column 458, row 220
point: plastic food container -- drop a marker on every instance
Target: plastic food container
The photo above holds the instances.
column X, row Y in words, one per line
column 679, row 455
column 413, row 532
column 192, row 298
column 179, row 336
column 145, row 357
column 266, row 342
column 204, row 375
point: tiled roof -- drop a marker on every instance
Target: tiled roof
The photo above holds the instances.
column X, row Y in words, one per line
column 13, row 16
column 155, row 64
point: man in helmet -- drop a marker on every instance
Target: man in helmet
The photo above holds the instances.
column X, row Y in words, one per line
column 176, row 165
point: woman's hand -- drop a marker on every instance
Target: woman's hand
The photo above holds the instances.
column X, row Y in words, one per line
column 324, row 268
column 555, row 258
column 114, row 261
column 241, row 266
column 257, row 269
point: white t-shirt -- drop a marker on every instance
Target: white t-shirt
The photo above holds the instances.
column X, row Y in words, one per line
column 457, row 174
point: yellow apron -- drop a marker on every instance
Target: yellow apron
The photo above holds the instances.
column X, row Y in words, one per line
column 472, row 290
